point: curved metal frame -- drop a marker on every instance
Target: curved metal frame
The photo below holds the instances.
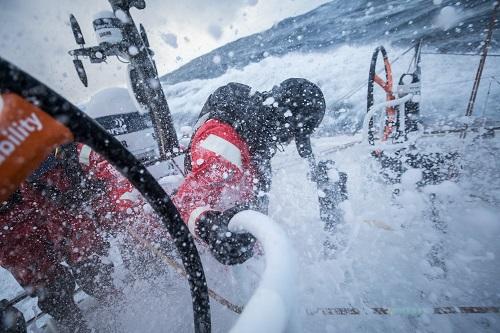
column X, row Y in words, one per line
column 387, row 86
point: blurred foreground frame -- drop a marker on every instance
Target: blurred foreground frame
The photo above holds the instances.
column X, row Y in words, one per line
column 34, row 120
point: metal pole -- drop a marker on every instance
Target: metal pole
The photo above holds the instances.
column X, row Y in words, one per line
column 146, row 84
column 484, row 53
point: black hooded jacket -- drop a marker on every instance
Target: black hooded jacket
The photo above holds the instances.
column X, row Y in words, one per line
column 256, row 122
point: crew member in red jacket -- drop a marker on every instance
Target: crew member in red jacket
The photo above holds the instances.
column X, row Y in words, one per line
column 237, row 134
column 54, row 218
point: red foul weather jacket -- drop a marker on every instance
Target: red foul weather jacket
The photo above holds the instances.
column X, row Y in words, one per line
column 221, row 176
column 123, row 207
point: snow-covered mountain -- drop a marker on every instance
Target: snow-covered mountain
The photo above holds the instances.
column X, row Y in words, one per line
column 444, row 25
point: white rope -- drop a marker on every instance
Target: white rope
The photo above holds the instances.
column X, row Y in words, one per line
column 272, row 306
column 381, row 106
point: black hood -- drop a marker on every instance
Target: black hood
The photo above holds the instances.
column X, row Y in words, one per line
column 303, row 105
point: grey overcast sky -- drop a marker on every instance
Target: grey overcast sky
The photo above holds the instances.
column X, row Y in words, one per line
column 35, row 34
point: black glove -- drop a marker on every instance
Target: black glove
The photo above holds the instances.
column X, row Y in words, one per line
column 227, row 247
column 11, row 319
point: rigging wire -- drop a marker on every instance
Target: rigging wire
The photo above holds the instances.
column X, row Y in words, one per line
column 359, row 87
column 487, row 98
column 454, row 82
column 415, row 61
column 495, row 80
column 462, row 54
column 355, row 90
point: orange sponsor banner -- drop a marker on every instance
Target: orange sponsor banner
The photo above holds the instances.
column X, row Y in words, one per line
column 27, row 137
